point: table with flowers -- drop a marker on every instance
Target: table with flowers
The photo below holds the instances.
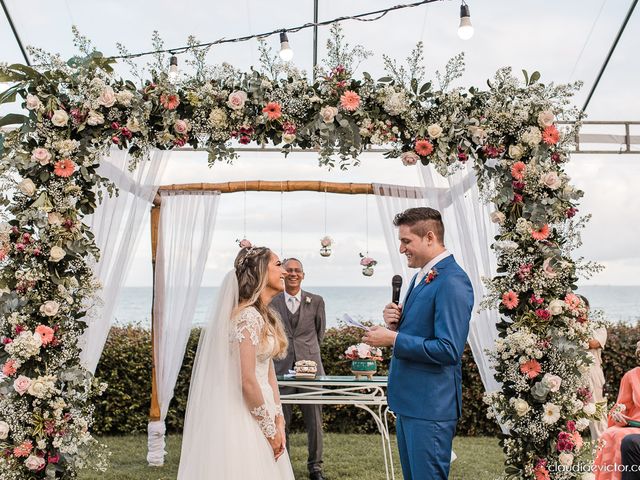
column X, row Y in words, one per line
column 367, row 394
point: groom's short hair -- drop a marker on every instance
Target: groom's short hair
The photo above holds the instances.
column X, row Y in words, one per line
column 292, row 259
column 421, row 220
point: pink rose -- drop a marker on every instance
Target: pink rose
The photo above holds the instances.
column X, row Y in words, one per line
column 107, row 98
column 41, row 155
column 181, row 127
column 237, row 100
column 547, row 269
column 21, row 384
column 33, row 102
column 328, row 114
column 409, row 158
column 244, row 243
column 33, row 463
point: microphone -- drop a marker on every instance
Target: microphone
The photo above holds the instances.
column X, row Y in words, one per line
column 396, row 285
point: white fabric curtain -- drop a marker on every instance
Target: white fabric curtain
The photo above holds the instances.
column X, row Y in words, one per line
column 187, row 221
column 116, row 224
column 468, row 235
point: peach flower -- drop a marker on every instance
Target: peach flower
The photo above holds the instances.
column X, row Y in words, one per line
column 423, row 147
column 510, row 299
column 517, row 170
column 46, row 334
column 170, row 102
column 24, row 449
column 350, row 100
column 9, row 368
column 531, row 368
column 542, row 233
column 550, row 135
column 273, row 110
column 64, row 167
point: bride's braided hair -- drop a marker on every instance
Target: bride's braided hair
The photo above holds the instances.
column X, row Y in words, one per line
column 252, row 265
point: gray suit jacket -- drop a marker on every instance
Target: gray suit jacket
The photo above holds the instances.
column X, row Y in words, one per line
column 306, row 337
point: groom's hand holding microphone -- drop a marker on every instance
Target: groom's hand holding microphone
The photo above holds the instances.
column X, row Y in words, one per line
column 386, row 337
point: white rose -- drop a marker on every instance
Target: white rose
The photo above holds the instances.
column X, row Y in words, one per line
column 124, row 97
column 434, row 130
column 33, row 102
column 57, row 254
column 532, row 136
column 516, row 152
column 60, row 118
column 181, row 127
column 546, row 118
column 95, row 118
column 556, row 307
column 218, row 118
column 107, row 98
column 237, row 100
column 565, row 459
column 478, row 135
column 582, row 424
column 133, row 124
column 589, row 409
column 33, row 462
column 288, row 137
column 552, row 382
column 395, row 104
column 27, row 187
column 41, row 155
column 50, row 308
column 4, row 430
column 409, row 158
column 38, row 388
column 521, row 406
column 551, row 180
column 328, row 114
column 498, row 217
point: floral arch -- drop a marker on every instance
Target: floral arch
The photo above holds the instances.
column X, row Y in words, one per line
column 78, row 110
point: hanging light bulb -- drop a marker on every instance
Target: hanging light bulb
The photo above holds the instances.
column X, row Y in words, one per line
column 465, row 30
column 173, row 69
column 286, row 54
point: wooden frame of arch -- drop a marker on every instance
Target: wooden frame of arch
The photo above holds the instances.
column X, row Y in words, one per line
column 230, row 187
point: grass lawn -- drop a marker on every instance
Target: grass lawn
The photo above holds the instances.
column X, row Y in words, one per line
column 479, row 458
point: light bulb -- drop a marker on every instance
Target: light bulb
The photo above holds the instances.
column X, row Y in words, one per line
column 465, row 30
column 286, row 54
column 173, row 69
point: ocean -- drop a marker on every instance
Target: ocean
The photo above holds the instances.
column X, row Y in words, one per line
column 619, row 303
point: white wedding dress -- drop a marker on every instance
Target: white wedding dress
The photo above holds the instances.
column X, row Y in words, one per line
column 224, row 438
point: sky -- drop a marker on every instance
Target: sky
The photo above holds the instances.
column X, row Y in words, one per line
column 565, row 41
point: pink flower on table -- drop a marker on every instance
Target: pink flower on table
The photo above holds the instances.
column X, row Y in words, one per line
column 424, row 147
column 518, row 169
column 350, row 100
column 9, row 368
column 510, row 299
column 273, row 110
column 24, row 449
column 531, row 368
column 46, row 334
column 409, row 158
column 541, row 233
column 21, row 384
column 550, row 135
column 170, row 102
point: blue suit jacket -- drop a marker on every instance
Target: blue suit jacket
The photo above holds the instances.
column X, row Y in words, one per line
column 425, row 377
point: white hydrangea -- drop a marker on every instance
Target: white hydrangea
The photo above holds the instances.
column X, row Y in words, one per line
column 532, row 137
column 25, row 345
column 395, row 103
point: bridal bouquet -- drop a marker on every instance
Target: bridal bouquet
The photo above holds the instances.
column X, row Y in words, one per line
column 362, row 351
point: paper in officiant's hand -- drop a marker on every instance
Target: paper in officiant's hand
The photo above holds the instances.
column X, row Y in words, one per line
column 354, row 323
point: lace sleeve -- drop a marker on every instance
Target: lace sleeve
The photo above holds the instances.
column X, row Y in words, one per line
column 249, row 325
column 265, row 421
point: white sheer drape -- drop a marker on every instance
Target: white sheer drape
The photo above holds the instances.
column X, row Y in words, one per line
column 468, row 235
column 117, row 224
column 187, row 221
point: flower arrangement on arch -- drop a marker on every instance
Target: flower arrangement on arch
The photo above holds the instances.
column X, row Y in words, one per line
column 363, row 351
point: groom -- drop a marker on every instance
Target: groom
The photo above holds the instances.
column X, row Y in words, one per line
column 428, row 333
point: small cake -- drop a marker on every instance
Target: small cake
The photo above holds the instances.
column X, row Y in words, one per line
column 305, row 369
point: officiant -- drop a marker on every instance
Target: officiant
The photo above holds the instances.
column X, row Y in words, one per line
column 303, row 316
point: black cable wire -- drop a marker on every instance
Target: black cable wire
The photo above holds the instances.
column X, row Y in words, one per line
column 360, row 17
column 15, row 33
column 611, row 50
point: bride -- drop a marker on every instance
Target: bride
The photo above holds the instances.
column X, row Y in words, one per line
column 234, row 427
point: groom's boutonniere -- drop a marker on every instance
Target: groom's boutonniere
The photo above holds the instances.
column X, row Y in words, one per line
column 433, row 273
column 307, row 300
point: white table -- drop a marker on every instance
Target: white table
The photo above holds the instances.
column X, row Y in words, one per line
column 369, row 395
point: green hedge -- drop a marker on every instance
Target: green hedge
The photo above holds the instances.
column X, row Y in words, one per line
column 126, row 366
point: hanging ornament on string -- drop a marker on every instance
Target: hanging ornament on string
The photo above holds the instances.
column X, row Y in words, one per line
column 365, row 260
column 244, row 243
column 326, row 242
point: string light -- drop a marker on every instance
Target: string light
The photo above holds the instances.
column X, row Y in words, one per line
column 286, row 54
column 173, row 69
column 465, row 30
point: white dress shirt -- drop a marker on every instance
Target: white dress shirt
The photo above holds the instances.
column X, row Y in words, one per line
column 434, row 261
column 293, row 301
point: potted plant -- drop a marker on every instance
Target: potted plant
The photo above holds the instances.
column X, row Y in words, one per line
column 364, row 360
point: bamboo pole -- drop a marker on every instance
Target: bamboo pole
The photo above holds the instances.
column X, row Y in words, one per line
column 277, row 186
column 154, row 411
